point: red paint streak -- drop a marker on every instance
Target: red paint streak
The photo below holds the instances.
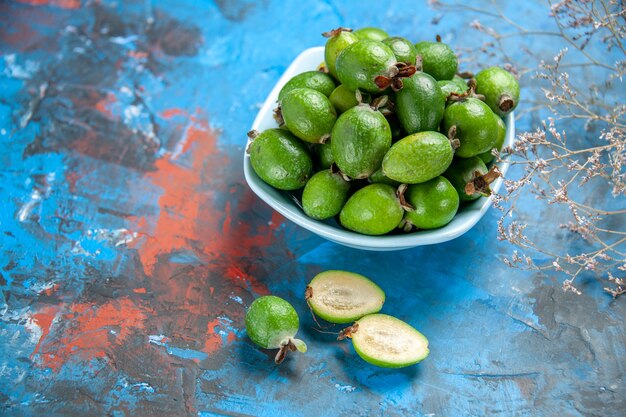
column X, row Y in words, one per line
column 235, row 274
column 44, row 319
column 64, row 4
column 71, row 177
column 138, row 54
column 213, row 341
column 86, row 333
column 169, row 113
column 139, row 290
column 104, row 105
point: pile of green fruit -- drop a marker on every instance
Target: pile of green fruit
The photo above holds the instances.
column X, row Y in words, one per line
column 339, row 297
column 385, row 135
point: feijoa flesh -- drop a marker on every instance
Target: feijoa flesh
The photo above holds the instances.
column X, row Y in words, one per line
column 343, row 297
column 386, row 341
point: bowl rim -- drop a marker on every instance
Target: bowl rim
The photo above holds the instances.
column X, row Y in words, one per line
column 473, row 212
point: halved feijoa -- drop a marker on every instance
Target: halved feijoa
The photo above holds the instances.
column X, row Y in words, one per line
column 343, row 297
column 386, row 341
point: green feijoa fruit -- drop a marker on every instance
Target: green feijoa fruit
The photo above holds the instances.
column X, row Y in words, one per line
column 338, row 40
column 343, row 297
column 402, row 48
column 280, row 159
column 463, row 171
column 420, row 104
column 438, row 59
column 272, row 323
column 360, row 139
column 418, row 158
column 308, row 114
column 343, row 98
column 386, row 341
column 452, row 86
column 476, row 127
column 373, row 210
column 500, row 88
column 371, row 33
column 324, row 195
column 360, row 63
column 379, row 178
column 434, row 202
column 315, row 80
column 324, row 155
column 487, row 157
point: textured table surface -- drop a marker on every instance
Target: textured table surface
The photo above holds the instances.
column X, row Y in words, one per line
column 130, row 245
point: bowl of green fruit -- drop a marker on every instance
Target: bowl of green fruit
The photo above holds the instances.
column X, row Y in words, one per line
column 378, row 143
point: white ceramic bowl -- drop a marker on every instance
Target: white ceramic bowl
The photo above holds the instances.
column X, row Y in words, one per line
column 285, row 204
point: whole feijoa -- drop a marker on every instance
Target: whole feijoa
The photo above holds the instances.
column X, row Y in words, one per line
column 420, row 104
column 434, row 202
column 338, row 40
column 325, row 194
column 487, row 157
column 343, row 98
column 462, row 171
column 418, row 158
column 316, row 80
column 371, row 33
column 476, row 127
column 360, row 139
column 402, row 48
column 500, row 88
column 360, row 63
column 438, row 59
column 308, row 114
column 373, row 210
column 280, row 159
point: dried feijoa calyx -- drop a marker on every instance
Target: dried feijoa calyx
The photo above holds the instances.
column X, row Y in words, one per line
column 308, row 114
column 343, row 297
column 471, row 178
column 272, row 323
column 325, row 194
column 418, row 158
column 280, row 159
column 338, row 40
column 500, row 88
column 386, row 341
column 316, row 80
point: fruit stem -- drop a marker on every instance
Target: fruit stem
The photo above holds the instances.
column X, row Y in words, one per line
column 285, row 347
column 466, row 75
column 335, row 32
column 505, row 103
column 480, row 183
column 348, row 331
column 405, row 225
column 278, row 116
column 403, row 203
column 438, row 38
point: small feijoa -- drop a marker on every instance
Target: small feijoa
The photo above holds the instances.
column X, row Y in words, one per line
column 438, row 59
column 500, row 88
column 338, row 40
column 308, row 114
column 343, row 297
column 434, row 203
column 272, row 323
column 386, row 341
column 325, row 194
column 402, row 48
column 373, row 210
column 371, row 33
column 316, row 80
column 474, row 125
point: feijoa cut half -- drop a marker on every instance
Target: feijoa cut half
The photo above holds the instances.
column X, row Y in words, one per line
column 386, row 341
column 343, row 297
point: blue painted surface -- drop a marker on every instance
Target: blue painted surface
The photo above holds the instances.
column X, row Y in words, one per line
column 131, row 246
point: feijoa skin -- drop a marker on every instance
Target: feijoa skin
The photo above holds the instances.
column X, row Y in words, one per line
column 438, row 59
column 371, row 33
column 280, row 159
column 308, row 114
column 334, row 46
column 388, row 342
column 402, row 48
column 476, row 127
column 462, row 171
column 360, row 63
column 324, row 155
column 373, row 210
column 434, row 202
column 455, row 85
column 418, row 158
column 316, row 80
column 343, row 297
column 324, row 195
column 343, row 98
column 420, row 104
column 379, row 178
column 488, row 157
column 360, row 139
column 500, row 88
